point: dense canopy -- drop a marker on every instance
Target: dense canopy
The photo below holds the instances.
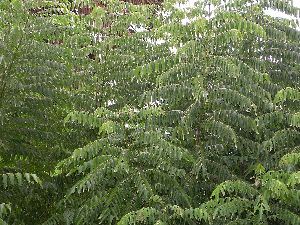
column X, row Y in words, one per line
column 118, row 113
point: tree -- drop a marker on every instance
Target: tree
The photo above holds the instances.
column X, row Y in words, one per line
column 205, row 134
column 35, row 96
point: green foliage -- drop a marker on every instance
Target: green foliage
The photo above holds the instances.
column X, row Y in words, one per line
column 12, row 179
column 272, row 198
column 206, row 134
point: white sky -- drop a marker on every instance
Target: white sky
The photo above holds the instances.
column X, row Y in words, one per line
column 280, row 14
